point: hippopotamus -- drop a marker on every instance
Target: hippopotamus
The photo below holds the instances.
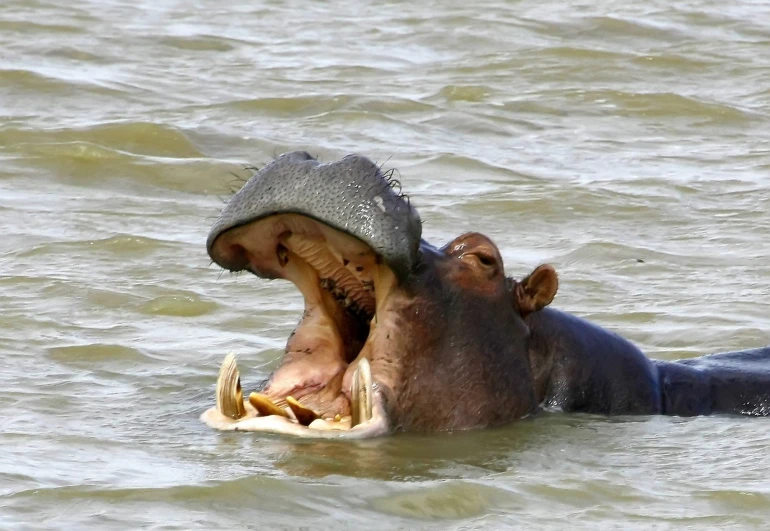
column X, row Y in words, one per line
column 399, row 335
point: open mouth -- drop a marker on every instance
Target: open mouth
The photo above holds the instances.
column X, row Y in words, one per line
column 323, row 386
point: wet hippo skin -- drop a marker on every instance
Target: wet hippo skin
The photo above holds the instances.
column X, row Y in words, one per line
column 593, row 370
column 399, row 335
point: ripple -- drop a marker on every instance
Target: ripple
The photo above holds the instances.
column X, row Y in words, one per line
column 178, row 305
column 585, row 493
column 470, row 93
column 665, row 104
column 82, row 56
column 127, row 244
column 473, row 166
column 451, row 501
column 393, row 105
column 618, row 252
column 108, row 140
column 677, row 62
column 28, row 27
column 572, row 53
column 199, row 43
column 96, row 353
column 29, row 82
column 308, row 104
column 612, row 26
column 119, row 245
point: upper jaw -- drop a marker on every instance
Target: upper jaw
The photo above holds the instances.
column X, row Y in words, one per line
column 351, row 195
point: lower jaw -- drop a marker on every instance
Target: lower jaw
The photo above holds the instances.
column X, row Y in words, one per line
column 256, row 414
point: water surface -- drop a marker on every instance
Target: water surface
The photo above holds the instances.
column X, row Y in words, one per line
column 626, row 143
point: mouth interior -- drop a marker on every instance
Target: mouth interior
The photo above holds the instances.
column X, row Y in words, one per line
column 343, row 283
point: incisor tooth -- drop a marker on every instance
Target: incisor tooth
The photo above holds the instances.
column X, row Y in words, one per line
column 229, row 393
column 265, row 406
column 304, row 415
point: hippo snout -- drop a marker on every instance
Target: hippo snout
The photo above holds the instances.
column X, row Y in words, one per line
column 351, row 195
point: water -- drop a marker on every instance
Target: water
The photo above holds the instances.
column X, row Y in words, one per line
column 626, row 143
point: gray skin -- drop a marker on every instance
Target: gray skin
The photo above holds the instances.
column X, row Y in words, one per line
column 351, row 195
column 467, row 346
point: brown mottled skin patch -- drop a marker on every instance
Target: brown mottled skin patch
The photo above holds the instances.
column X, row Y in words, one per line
column 456, row 357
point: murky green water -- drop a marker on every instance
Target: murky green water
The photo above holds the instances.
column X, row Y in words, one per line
column 626, row 143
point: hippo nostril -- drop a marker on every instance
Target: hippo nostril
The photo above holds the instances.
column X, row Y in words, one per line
column 233, row 257
column 283, row 255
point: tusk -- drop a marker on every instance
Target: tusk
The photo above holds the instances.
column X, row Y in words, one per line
column 361, row 393
column 229, row 392
column 355, row 412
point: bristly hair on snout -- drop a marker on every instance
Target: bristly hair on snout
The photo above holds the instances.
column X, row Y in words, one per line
column 391, row 175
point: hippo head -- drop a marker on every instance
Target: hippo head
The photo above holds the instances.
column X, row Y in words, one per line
column 396, row 334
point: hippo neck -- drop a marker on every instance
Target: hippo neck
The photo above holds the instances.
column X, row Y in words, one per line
column 579, row 366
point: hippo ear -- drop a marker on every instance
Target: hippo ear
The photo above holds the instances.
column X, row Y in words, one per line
column 537, row 290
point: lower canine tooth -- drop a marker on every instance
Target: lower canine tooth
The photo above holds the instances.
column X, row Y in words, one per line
column 229, row 393
column 361, row 393
column 265, row 406
column 304, row 415
column 355, row 413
